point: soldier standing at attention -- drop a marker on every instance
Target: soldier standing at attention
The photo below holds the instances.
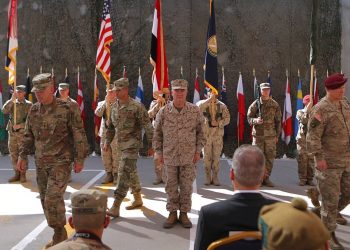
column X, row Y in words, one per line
column 56, row 131
column 15, row 129
column 63, row 88
column 110, row 157
column 328, row 139
column 216, row 117
column 305, row 159
column 264, row 114
column 155, row 106
column 128, row 118
column 178, row 140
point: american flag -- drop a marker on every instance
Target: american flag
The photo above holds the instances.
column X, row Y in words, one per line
column 103, row 57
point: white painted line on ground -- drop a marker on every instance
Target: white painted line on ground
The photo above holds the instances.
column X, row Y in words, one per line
column 34, row 234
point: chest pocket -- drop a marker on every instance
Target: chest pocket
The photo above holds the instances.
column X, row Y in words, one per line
column 126, row 118
column 43, row 127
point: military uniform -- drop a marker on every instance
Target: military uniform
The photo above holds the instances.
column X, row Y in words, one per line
column 16, row 135
column 57, row 133
column 266, row 134
column 214, row 138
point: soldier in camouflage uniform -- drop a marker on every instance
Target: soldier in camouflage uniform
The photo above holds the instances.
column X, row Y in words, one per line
column 56, row 131
column 159, row 170
column 264, row 115
column 178, row 140
column 305, row 159
column 328, row 139
column 128, row 118
column 88, row 219
column 16, row 129
column 110, row 157
column 216, row 117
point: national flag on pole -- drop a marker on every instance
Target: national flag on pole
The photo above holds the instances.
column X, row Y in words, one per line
column 223, row 94
column 105, row 38
column 299, row 105
column 139, row 91
column 315, row 100
column 97, row 119
column 211, row 62
column 287, row 116
column 125, row 74
column 29, row 95
column 80, row 98
column 196, row 93
column 12, row 42
column 160, row 78
column 269, row 81
column 2, row 118
column 241, row 108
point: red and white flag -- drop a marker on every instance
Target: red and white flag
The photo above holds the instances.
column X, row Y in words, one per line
column 287, row 116
column 80, row 99
column 103, row 56
column 158, row 56
column 97, row 119
column 12, row 42
column 241, row 108
column 196, row 95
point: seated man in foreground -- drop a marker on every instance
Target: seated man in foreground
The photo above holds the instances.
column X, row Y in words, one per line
column 241, row 211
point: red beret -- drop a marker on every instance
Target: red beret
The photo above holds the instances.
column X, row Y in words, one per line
column 335, row 81
column 306, row 99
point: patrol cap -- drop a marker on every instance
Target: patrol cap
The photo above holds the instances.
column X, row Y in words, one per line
column 110, row 87
column 21, row 88
column 265, row 85
column 121, row 83
column 306, row 99
column 41, row 81
column 179, row 84
column 291, row 226
column 88, row 208
column 63, row 85
column 335, row 81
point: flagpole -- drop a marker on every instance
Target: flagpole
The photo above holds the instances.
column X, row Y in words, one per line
column 238, row 131
column 312, row 84
column 41, row 69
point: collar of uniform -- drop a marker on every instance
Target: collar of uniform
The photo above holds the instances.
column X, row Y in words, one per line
column 49, row 106
column 17, row 101
column 122, row 105
column 173, row 109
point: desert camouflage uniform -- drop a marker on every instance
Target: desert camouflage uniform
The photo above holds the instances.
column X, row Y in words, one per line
column 305, row 159
column 265, row 135
column 127, row 121
column 53, row 129
column 82, row 241
column 328, row 139
column 214, row 137
column 177, row 137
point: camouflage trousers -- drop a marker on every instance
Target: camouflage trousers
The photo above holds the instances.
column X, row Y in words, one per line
column 160, row 171
column 334, row 187
column 110, row 158
column 52, row 182
column 268, row 146
column 179, row 187
column 14, row 142
column 212, row 151
column 127, row 174
column 305, row 164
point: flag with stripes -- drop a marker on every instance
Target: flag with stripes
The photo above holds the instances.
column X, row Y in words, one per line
column 287, row 116
column 139, row 91
column 241, row 108
column 299, row 105
column 12, row 42
column 97, row 119
column 103, row 56
column 2, row 118
column 80, row 99
column 211, row 62
column 196, row 95
column 160, row 78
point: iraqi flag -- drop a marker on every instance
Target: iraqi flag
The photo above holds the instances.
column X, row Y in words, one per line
column 196, row 95
column 241, row 108
column 287, row 116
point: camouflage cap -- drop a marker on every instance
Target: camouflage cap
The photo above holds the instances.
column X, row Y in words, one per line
column 63, row 85
column 179, row 84
column 110, row 87
column 88, row 207
column 265, row 85
column 121, row 83
column 21, row 88
column 41, row 81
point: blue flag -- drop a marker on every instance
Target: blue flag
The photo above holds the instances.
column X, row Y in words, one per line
column 223, row 89
column 298, row 106
column 139, row 91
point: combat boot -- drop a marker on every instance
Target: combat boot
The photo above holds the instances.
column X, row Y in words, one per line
column 59, row 236
column 215, row 180
column 268, row 183
column 115, row 178
column 185, row 222
column 15, row 178
column 114, row 210
column 157, row 181
column 341, row 220
column 334, row 244
column 171, row 220
column 108, row 178
column 137, row 202
column 313, row 194
column 22, row 177
column 302, row 182
column 310, row 183
column 207, row 179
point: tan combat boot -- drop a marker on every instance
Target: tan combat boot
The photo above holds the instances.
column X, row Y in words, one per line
column 171, row 220
column 137, row 202
column 108, row 178
column 115, row 178
column 207, row 179
column 334, row 244
column 215, row 180
column 114, row 210
column 302, row 182
column 341, row 220
column 22, row 177
column 313, row 194
column 268, row 183
column 185, row 222
column 15, row 178
column 59, row 236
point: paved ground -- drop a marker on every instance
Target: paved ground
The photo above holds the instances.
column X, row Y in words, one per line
column 23, row 226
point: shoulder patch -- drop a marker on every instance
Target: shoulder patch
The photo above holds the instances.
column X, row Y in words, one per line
column 315, row 120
